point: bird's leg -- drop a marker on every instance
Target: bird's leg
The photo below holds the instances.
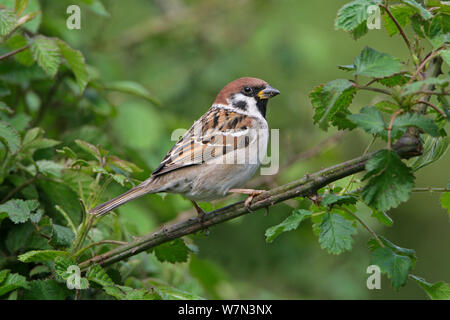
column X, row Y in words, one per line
column 251, row 194
column 200, row 212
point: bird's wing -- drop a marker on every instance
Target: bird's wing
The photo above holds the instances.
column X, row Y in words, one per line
column 218, row 132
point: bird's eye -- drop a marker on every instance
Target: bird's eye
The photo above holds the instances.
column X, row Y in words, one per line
column 247, row 90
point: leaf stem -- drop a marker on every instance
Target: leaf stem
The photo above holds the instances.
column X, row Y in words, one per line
column 389, row 129
column 372, row 89
column 399, row 27
column 430, row 56
column 9, row 54
column 431, row 105
column 366, row 226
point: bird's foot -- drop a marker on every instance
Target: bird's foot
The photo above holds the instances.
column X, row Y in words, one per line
column 251, row 194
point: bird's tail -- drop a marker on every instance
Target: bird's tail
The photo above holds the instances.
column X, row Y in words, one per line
column 131, row 194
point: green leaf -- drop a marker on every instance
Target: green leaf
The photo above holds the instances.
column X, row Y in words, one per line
column 369, row 119
column 334, row 199
column 132, row 88
column 62, row 236
column 9, row 137
column 330, row 99
column 445, row 201
column 395, row 80
column 89, row 148
column 354, row 14
column 173, row 251
column 336, row 233
column 419, row 8
column 417, row 85
column 47, row 167
column 127, row 293
column 62, row 264
column 386, row 106
column 170, row 293
column 8, row 20
column 122, row 164
column 20, row 6
column 397, row 267
column 98, row 275
column 75, row 60
column 24, row 57
column 47, row 290
column 290, row 223
column 11, row 282
column 445, row 54
column 402, row 14
column 419, row 121
column 382, row 217
column 434, row 148
column 41, row 255
column 18, row 210
column 390, row 181
column 46, row 53
column 372, row 63
column 436, row 291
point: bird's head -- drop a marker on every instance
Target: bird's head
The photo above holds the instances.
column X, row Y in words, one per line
column 249, row 95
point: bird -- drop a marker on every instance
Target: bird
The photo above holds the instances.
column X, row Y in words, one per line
column 219, row 153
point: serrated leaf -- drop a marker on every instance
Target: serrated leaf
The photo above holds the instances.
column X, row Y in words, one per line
column 18, row 210
column 9, row 136
column 336, row 233
column 98, row 275
column 40, row 269
column 418, row 121
column 330, row 99
column 75, row 60
column 47, row 290
column 436, row 291
column 433, row 149
column 41, row 255
column 353, row 14
column 419, row 8
column 62, row 264
column 390, row 181
column 132, row 88
column 173, row 251
column 8, row 20
column 370, row 120
column 397, row 267
column 12, row 282
column 372, row 63
column 46, row 53
column 290, row 223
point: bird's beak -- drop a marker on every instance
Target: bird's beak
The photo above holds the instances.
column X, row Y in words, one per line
column 268, row 92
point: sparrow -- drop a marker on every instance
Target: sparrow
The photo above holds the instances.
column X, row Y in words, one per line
column 219, row 153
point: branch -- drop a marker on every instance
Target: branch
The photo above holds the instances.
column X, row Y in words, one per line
column 399, row 27
column 407, row 146
column 9, row 54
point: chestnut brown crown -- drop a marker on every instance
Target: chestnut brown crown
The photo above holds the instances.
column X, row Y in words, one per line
column 238, row 85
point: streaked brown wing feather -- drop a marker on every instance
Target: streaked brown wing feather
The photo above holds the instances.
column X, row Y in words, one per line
column 207, row 139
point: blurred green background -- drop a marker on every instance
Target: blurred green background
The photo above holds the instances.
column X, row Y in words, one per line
column 185, row 52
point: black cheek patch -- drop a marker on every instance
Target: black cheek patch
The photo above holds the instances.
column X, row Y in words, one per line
column 240, row 104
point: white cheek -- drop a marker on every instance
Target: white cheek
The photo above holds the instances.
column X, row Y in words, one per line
column 252, row 109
